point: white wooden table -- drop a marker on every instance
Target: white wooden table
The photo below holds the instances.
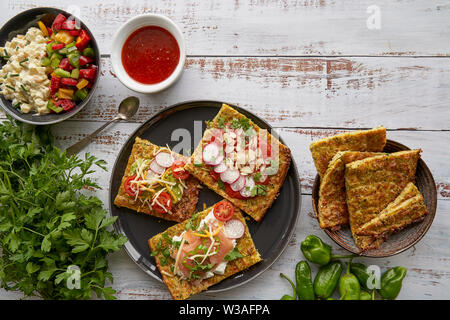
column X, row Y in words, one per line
column 311, row 68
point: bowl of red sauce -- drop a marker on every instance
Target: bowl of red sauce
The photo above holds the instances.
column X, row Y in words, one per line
column 148, row 53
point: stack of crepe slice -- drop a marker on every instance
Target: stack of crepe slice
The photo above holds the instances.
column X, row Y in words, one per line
column 371, row 185
column 407, row 208
column 332, row 206
column 361, row 186
column 330, row 156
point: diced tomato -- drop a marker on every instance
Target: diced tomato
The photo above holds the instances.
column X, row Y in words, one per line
column 69, row 81
column 74, row 33
column 233, row 194
column 59, row 20
column 82, row 40
column 55, row 83
column 70, row 67
column 67, row 104
column 85, row 60
column 50, row 32
column 64, row 64
column 214, row 175
column 58, row 46
column 165, row 200
column 223, row 210
column 127, row 186
column 88, row 74
column 68, row 25
column 57, row 102
column 266, row 149
column 178, row 170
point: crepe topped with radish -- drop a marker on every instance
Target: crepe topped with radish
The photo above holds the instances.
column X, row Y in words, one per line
column 241, row 162
column 155, row 182
column 203, row 250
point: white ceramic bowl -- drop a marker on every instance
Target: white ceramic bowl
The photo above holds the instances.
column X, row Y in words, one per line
column 121, row 36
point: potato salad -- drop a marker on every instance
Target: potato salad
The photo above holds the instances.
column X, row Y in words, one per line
column 23, row 79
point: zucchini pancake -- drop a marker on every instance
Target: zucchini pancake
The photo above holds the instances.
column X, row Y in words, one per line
column 372, row 184
column 409, row 207
column 156, row 183
column 209, row 247
column 332, row 206
column 323, row 150
column 241, row 162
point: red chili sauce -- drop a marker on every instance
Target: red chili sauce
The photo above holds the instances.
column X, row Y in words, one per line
column 150, row 54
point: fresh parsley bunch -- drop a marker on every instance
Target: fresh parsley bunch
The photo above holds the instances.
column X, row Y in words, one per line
column 48, row 228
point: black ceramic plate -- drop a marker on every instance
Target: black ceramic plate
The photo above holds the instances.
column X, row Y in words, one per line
column 271, row 235
column 19, row 25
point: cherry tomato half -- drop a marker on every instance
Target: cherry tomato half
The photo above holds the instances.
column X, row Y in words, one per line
column 127, row 186
column 178, row 170
column 223, row 210
column 233, row 194
column 165, row 200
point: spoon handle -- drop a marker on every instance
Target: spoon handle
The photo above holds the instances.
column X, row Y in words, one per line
column 77, row 147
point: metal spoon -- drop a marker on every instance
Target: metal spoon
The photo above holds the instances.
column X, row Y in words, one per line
column 127, row 108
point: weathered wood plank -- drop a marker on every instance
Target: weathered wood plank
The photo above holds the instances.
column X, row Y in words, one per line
column 302, row 92
column 276, row 27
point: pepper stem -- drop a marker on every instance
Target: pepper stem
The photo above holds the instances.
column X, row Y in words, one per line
column 348, row 265
column 292, row 284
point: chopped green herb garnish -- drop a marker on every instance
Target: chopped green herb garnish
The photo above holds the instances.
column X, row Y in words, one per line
column 192, row 224
column 243, row 123
column 233, row 254
column 24, row 89
column 221, row 123
column 12, row 88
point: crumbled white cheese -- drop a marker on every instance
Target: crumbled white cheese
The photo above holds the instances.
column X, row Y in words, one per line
column 22, row 79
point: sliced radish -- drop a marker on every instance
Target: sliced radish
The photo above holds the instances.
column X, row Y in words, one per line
column 239, row 184
column 210, row 152
column 156, row 168
column 151, row 175
column 230, row 176
column 263, row 178
column 249, row 185
column 234, row 229
column 164, row 159
column 216, row 161
column 221, row 167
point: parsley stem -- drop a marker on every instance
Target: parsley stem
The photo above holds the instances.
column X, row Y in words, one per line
column 40, row 234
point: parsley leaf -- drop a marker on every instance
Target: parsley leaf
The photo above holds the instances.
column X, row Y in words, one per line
column 233, row 254
column 47, row 224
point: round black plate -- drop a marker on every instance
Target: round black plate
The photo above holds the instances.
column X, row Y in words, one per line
column 271, row 235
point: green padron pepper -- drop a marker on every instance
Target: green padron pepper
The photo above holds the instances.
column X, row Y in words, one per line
column 315, row 250
column 391, row 282
column 349, row 287
column 305, row 290
column 318, row 252
column 327, row 279
column 364, row 295
column 286, row 296
column 360, row 271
